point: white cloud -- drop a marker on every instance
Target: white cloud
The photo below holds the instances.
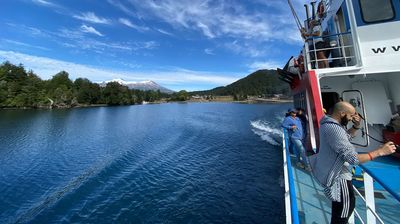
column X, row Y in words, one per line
column 45, row 3
column 209, row 51
column 89, row 29
column 79, row 41
column 128, row 23
column 247, row 48
column 255, row 29
column 264, row 65
column 220, row 19
column 92, row 18
column 24, row 44
column 165, row 32
column 206, row 31
column 175, row 77
column 122, row 7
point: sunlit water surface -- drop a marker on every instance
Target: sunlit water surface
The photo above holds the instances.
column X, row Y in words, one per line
column 167, row 163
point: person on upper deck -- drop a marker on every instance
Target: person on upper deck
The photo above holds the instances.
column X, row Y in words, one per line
column 295, row 130
column 331, row 166
column 316, row 43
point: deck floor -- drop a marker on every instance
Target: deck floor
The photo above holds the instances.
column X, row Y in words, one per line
column 315, row 208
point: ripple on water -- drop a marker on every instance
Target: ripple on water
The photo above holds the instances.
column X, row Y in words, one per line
column 166, row 163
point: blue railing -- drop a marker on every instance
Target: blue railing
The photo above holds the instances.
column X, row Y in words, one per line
column 292, row 190
column 391, row 189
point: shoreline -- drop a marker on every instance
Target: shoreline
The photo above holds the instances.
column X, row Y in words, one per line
column 248, row 101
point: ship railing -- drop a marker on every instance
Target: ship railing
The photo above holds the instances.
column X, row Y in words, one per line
column 369, row 199
column 372, row 217
column 338, row 50
column 292, row 213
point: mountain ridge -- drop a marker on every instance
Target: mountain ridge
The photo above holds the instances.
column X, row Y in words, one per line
column 139, row 85
column 261, row 82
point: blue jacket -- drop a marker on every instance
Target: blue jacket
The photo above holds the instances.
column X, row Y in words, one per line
column 289, row 122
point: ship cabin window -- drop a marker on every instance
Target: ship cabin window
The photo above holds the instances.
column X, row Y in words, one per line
column 376, row 10
column 329, row 99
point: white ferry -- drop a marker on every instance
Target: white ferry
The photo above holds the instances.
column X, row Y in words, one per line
column 360, row 65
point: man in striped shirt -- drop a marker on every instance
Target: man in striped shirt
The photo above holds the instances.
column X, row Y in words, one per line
column 332, row 165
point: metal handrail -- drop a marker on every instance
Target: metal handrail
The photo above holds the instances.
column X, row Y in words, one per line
column 369, row 208
column 341, row 47
column 383, row 184
column 329, row 35
column 358, row 216
column 292, row 192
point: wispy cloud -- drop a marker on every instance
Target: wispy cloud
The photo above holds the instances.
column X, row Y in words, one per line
column 80, row 40
column 246, row 48
column 217, row 19
column 251, row 27
column 165, row 32
column 122, row 7
column 77, row 39
column 24, row 44
column 175, row 78
column 89, row 29
column 33, row 31
column 209, row 51
column 45, row 3
column 128, row 23
column 264, row 65
column 92, row 18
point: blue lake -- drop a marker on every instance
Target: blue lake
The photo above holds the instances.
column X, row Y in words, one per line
column 165, row 163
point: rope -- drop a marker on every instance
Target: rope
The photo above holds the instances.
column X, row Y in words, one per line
column 296, row 18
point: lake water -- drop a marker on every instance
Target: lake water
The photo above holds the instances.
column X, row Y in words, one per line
column 166, row 163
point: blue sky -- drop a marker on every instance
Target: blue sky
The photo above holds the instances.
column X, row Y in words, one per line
column 180, row 44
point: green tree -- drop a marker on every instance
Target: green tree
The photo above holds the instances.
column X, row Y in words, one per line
column 59, row 89
column 86, row 92
column 114, row 93
column 182, row 95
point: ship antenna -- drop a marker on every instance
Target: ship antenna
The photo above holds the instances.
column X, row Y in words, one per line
column 296, row 18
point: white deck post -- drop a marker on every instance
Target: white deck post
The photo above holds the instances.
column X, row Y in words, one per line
column 351, row 219
column 369, row 198
column 286, row 179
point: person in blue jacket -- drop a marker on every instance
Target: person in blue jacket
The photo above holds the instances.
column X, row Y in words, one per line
column 295, row 130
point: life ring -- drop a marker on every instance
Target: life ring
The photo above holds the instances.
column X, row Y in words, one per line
column 321, row 9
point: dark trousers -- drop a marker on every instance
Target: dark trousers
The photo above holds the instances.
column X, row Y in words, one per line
column 341, row 211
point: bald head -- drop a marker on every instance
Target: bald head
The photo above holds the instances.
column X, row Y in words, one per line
column 343, row 112
column 343, row 107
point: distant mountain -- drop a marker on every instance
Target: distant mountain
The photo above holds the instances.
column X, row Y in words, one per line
column 261, row 82
column 143, row 85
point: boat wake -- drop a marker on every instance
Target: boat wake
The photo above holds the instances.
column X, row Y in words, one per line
column 267, row 131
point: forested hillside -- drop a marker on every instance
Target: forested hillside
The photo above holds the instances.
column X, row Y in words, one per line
column 261, row 82
column 24, row 89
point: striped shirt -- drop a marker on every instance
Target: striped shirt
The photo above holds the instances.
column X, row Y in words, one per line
column 335, row 153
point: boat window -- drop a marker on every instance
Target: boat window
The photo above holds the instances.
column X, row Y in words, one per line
column 376, row 10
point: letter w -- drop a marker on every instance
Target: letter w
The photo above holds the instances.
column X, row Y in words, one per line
column 396, row 48
column 379, row 50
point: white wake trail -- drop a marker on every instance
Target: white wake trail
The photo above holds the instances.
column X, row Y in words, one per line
column 266, row 131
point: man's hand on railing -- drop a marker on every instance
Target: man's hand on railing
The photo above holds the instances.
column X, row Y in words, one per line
column 387, row 149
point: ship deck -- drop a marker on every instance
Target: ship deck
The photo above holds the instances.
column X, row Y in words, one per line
column 314, row 207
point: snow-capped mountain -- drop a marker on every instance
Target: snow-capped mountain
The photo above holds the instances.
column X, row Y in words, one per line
column 143, row 85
